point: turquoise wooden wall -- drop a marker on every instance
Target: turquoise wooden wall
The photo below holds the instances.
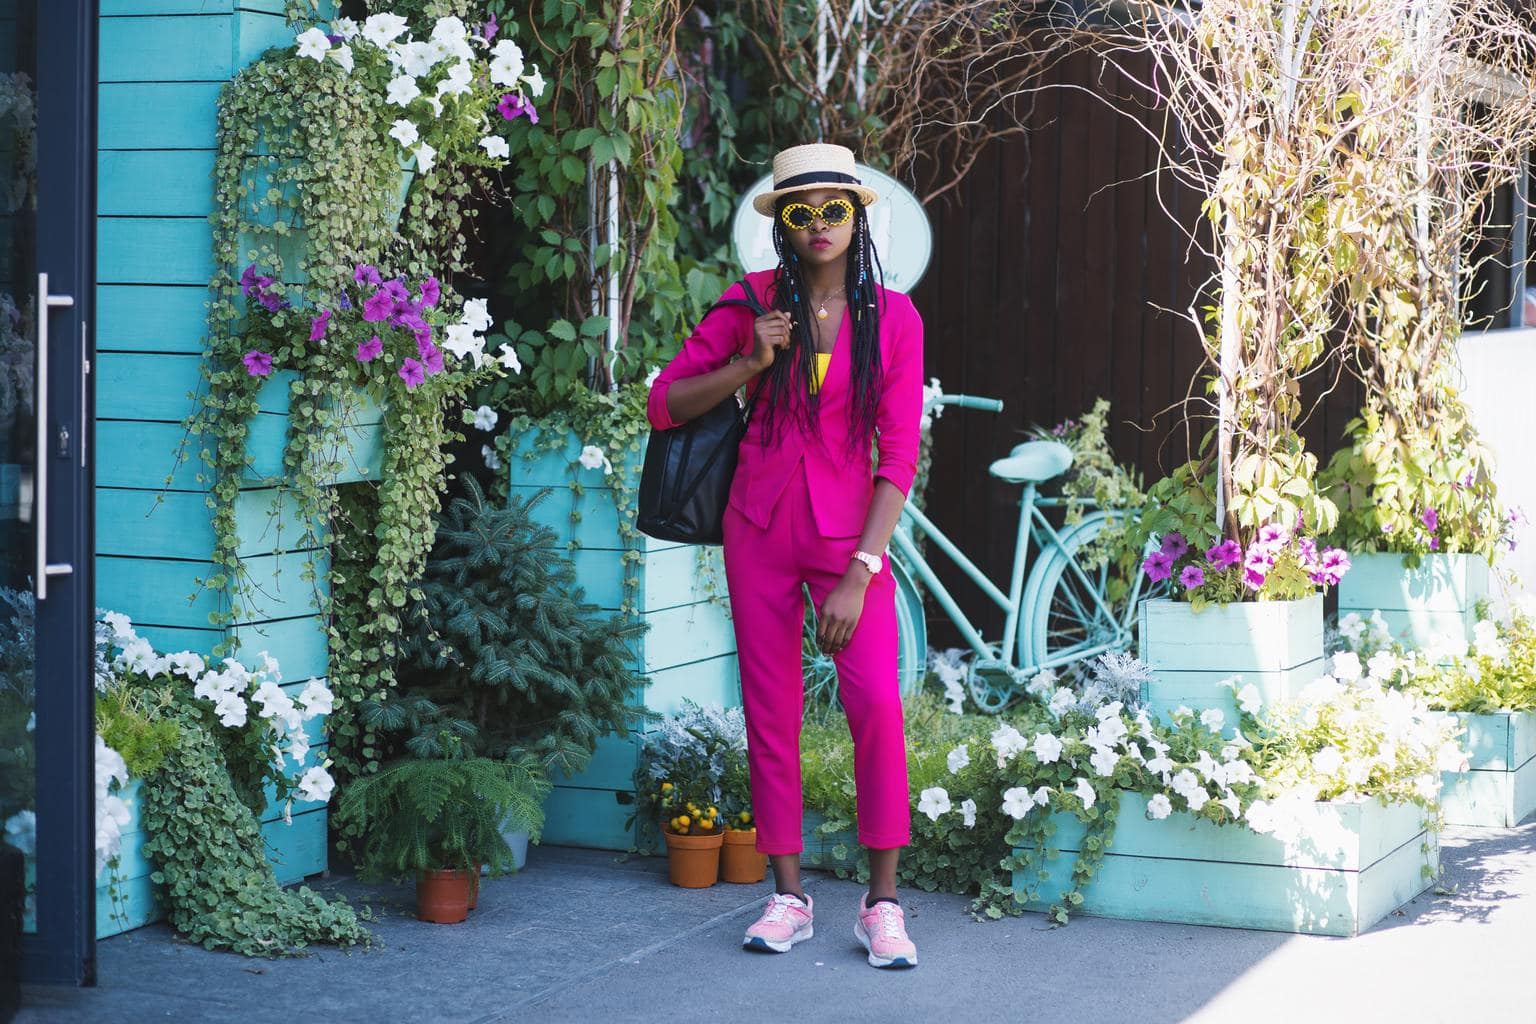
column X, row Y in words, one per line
column 162, row 63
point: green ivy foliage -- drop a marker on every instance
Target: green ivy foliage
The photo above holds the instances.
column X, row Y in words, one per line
column 220, row 891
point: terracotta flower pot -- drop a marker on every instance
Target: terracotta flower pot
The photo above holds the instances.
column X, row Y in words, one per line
column 442, row 897
column 739, row 860
column 693, row 861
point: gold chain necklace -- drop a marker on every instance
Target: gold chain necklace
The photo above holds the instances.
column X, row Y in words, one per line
column 821, row 307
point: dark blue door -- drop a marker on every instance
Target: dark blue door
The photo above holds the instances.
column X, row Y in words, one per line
column 47, row 187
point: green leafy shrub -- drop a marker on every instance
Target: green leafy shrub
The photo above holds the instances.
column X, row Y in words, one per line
column 436, row 814
column 504, row 646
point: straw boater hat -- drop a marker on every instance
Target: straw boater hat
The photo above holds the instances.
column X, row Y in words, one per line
column 815, row 165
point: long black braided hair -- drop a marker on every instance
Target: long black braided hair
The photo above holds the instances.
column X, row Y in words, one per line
column 788, row 379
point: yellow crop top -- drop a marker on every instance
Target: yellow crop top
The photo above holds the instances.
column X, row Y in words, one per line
column 823, row 360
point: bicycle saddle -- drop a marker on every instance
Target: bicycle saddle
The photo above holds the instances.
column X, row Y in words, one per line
column 1033, row 462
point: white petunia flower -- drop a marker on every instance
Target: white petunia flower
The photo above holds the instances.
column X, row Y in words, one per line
column 449, row 28
column 298, row 747
column 1346, row 666
column 122, row 627
column 402, row 90
column 458, row 80
column 1017, row 802
column 1008, row 742
column 650, row 378
column 492, row 460
column 1213, row 719
column 382, row 29
column 592, row 457
column 1084, row 791
column 1061, row 702
column 463, row 341
column 1249, row 700
column 535, row 81
column 405, row 133
column 1485, row 637
column 1351, row 626
column 231, row 709
column 343, row 56
column 933, row 802
column 1327, row 761
column 495, row 147
column 958, row 758
column 1382, row 665
column 1230, row 801
column 485, row 418
column 1159, row 807
column 313, row 43
column 507, row 357
column 317, row 698
column 1104, row 761
column 507, row 63
column 1046, row 748
column 477, row 314
column 1042, row 685
column 426, row 157
column 414, row 59
column 968, row 810
column 316, row 784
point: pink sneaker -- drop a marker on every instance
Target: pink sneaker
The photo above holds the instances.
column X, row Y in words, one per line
column 785, row 922
column 882, row 930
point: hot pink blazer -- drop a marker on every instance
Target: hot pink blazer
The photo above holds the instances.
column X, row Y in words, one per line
column 840, row 489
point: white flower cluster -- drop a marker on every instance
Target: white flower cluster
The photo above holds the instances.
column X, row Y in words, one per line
column 466, row 339
column 592, row 457
column 949, row 666
column 442, row 66
column 112, row 812
column 235, row 691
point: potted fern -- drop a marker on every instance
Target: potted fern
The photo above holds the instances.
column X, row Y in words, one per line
column 440, row 819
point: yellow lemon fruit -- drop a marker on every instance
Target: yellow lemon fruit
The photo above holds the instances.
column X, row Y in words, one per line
column 666, row 786
column 744, row 816
column 682, row 819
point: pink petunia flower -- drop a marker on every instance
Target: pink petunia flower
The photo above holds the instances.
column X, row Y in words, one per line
column 1224, row 555
column 1193, row 576
column 413, row 373
column 318, row 324
column 370, row 350
column 1174, row 545
column 258, row 364
column 1158, row 566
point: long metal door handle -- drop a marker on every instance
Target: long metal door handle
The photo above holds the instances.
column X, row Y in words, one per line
column 46, row 304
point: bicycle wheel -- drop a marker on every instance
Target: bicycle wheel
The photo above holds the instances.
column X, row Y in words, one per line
column 1071, row 616
column 911, row 638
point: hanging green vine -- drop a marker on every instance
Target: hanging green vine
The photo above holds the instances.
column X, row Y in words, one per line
column 320, row 147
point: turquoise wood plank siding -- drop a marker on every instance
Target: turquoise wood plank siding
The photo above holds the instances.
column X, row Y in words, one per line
column 689, row 650
column 162, row 64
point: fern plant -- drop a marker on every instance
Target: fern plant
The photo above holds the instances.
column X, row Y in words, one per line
column 425, row 815
column 504, row 653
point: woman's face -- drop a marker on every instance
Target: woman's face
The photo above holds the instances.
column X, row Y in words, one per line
column 821, row 244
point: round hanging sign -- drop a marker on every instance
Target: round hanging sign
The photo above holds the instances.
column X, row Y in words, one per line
column 897, row 215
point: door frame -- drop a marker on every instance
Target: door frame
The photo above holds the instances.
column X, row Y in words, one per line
column 64, row 948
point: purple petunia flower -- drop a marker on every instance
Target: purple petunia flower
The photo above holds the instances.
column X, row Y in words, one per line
column 378, row 306
column 1306, row 551
column 1272, row 533
column 272, row 301
column 258, row 364
column 1431, row 520
column 318, row 324
column 1332, row 566
column 431, row 358
column 431, row 291
column 1158, row 566
column 1192, row 576
column 370, row 350
column 365, row 274
column 248, row 280
column 413, row 373
column 342, row 301
column 1224, row 555
column 513, row 106
column 1253, row 578
column 490, row 28
column 1174, row 545
column 1434, row 543
column 398, row 291
column 1259, row 556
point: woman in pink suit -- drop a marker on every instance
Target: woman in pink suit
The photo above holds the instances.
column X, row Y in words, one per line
column 838, row 362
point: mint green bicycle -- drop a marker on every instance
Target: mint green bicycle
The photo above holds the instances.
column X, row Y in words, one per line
column 1067, row 611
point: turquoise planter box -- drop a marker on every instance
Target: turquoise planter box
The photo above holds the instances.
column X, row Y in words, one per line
column 1275, row 645
column 1360, row 862
column 827, row 850
column 1499, row 790
column 688, row 651
column 1438, row 598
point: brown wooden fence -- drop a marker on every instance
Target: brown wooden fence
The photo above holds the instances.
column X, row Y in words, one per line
column 1057, row 264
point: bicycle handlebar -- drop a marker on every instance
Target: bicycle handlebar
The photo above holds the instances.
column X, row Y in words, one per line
column 968, row 402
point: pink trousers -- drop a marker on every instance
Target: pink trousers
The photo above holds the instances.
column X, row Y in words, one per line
column 764, row 569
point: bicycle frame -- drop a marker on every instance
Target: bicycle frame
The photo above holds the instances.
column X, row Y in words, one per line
column 1033, row 525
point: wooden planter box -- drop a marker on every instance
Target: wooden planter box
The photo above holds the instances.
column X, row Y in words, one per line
column 1359, row 863
column 1438, row 598
column 127, row 898
column 1500, row 789
column 689, row 650
column 1275, row 645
